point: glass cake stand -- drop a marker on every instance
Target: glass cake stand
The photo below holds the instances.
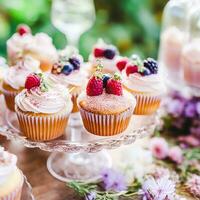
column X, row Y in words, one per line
column 79, row 155
column 27, row 191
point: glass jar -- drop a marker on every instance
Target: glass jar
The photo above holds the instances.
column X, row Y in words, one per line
column 173, row 37
column 190, row 57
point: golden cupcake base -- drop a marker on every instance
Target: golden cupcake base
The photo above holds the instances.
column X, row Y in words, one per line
column 105, row 124
column 41, row 127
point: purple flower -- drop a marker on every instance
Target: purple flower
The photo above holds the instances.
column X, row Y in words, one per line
column 113, row 180
column 193, row 185
column 190, row 110
column 175, row 107
column 198, row 107
column 91, row 196
column 160, row 189
column 176, row 155
column 159, row 147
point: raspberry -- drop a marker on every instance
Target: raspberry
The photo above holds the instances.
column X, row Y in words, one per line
column 114, row 86
column 152, row 65
column 94, row 86
column 32, row 81
column 131, row 69
column 98, row 53
column 23, row 29
column 121, row 64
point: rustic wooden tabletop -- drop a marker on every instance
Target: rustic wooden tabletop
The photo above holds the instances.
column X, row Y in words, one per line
column 33, row 164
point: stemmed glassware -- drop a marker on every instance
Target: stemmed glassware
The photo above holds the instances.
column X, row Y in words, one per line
column 73, row 18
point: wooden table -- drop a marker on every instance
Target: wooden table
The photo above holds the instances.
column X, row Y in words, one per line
column 33, row 163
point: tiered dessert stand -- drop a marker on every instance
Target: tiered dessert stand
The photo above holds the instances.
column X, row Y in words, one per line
column 79, row 155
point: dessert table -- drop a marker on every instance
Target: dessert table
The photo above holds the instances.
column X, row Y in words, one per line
column 33, row 163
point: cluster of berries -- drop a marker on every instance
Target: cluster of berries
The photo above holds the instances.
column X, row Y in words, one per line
column 66, row 66
column 35, row 81
column 23, row 29
column 98, row 82
column 108, row 53
column 135, row 65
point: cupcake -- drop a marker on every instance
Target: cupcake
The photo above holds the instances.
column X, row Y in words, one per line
column 38, row 46
column 190, row 60
column 11, row 178
column 70, row 72
column 105, row 108
column 42, row 109
column 15, row 77
column 144, row 82
column 106, row 54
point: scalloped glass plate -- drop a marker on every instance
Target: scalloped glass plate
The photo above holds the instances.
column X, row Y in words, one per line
column 27, row 191
column 78, row 139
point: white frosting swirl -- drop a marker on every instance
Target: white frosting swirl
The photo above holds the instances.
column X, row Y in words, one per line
column 3, row 68
column 150, row 84
column 7, row 164
column 76, row 78
column 16, row 75
column 40, row 44
column 108, row 64
column 54, row 100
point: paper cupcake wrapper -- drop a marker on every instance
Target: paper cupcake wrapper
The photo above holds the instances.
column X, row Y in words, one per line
column 14, row 195
column 106, row 125
column 146, row 104
column 10, row 99
column 42, row 128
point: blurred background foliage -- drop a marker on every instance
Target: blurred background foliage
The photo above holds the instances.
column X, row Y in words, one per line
column 132, row 25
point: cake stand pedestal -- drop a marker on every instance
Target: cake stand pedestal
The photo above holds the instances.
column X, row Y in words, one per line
column 79, row 155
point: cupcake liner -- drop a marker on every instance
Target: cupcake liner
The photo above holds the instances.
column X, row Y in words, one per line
column 43, row 127
column 146, row 104
column 14, row 195
column 10, row 99
column 106, row 124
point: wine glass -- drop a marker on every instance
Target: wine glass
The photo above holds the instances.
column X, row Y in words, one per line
column 73, row 18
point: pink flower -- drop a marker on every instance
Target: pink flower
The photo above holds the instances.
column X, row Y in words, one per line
column 159, row 147
column 176, row 155
column 190, row 140
column 193, row 185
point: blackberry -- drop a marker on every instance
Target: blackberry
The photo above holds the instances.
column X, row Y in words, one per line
column 75, row 62
column 146, row 72
column 152, row 65
column 109, row 53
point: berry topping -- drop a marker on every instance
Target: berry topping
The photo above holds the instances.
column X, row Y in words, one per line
column 94, row 86
column 75, row 62
column 121, row 64
column 131, row 69
column 152, row 65
column 67, row 68
column 145, row 72
column 109, row 53
column 98, row 53
column 114, row 85
column 23, row 29
column 32, row 81
column 56, row 68
column 106, row 77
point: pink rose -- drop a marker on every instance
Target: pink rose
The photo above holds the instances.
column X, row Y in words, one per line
column 159, row 147
column 176, row 155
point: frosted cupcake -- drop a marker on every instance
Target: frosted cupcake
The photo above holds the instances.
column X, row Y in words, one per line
column 15, row 77
column 105, row 108
column 144, row 82
column 106, row 54
column 190, row 60
column 42, row 109
column 70, row 72
column 11, row 179
column 38, row 46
